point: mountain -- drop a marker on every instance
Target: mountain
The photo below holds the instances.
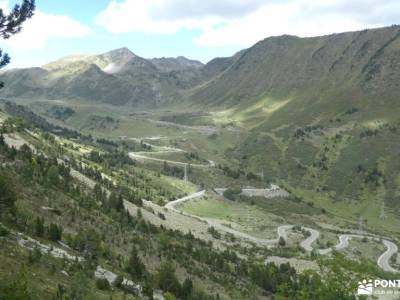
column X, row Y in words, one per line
column 167, row 64
column 320, row 113
column 359, row 63
column 118, row 77
column 110, row 62
column 218, row 65
column 363, row 62
column 75, row 244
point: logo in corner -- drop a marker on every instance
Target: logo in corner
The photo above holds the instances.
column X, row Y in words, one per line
column 365, row 287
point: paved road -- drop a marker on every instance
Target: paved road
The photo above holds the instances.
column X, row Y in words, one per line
column 160, row 151
column 343, row 243
column 314, row 235
column 171, row 205
column 217, row 225
column 137, row 156
column 206, row 130
column 143, row 155
column 282, row 232
column 306, row 244
column 384, row 259
column 275, row 192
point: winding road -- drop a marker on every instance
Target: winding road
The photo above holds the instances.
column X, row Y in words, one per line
column 171, row 205
column 140, row 156
column 306, row 244
column 384, row 259
column 282, row 232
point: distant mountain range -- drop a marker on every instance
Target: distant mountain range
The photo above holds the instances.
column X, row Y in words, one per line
column 321, row 112
column 117, row 77
column 361, row 64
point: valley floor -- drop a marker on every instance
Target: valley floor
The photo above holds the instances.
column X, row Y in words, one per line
column 186, row 183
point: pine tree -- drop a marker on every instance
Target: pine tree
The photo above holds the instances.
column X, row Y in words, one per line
column 135, row 267
column 39, row 227
column 115, row 201
column 148, row 288
column 119, row 205
column 55, row 232
column 167, row 280
column 112, row 200
column 7, row 195
column 187, row 288
column 11, row 24
column 53, row 176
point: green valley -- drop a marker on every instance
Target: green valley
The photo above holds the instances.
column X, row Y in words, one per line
column 271, row 174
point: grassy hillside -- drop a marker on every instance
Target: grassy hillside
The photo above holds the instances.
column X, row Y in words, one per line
column 39, row 189
column 67, row 194
column 288, row 67
column 321, row 115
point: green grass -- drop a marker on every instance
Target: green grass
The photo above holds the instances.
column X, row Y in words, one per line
column 271, row 147
column 179, row 184
column 176, row 156
column 348, row 213
column 325, row 238
column 190, row 119
column 370, row 249
column 247, row 218
column 43, row 276
column 285, row 207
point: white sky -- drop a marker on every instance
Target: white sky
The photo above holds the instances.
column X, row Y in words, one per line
column 199, row 29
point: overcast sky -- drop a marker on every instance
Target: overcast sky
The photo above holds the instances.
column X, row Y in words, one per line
column 196, row 29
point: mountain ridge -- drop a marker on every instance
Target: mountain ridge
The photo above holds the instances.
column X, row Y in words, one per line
column 319, row 116
column 118, row 77
column 359, row 62
column 287, row 63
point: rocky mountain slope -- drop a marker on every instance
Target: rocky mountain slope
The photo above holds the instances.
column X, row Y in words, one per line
column 364, row 62
column 337, row 67
column 117, row 77
column 320, row 112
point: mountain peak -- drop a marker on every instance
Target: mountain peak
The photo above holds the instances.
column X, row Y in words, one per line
column 120, row 53
column 117, row 59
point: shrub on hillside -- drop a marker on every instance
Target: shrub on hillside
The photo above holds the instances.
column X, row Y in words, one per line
column 7, row 196
column 103, row 284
